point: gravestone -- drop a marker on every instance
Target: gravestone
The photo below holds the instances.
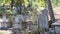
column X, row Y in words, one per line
column 4, row 18
column 18, row 20
column 17, row 25
column 4, row 23
column 43, row 21
column 56, row 27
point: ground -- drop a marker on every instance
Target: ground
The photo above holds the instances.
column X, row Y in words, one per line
column 6, row 32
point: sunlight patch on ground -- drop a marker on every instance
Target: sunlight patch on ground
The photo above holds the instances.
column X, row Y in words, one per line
column 6, row 32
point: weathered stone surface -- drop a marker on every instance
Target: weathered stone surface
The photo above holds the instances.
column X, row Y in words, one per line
column 43, row 19
column 18, row 22
column 4, row 23
column 56, row 27
column 43, row 22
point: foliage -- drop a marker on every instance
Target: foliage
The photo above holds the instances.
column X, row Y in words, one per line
column 26, row 3
column 2, row 10
column 55, row 3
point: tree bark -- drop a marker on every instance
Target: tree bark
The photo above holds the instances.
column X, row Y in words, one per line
column 12, row 2
column 50, row 11
column 21, row 6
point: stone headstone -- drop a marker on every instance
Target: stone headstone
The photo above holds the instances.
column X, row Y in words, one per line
column 56, row 27
column 43, row 19
column 4, row 19
column 21, row 18
column 4, row 23
column 17, row 19
column 18, row 22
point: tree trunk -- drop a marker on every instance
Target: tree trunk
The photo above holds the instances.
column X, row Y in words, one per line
column 50, row 11
column 21, row 6
column 12, row 2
